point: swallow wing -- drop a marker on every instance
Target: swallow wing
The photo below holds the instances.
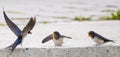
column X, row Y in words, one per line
column 103, row 38
column 47, row 38
column 11, row 25
column 63, row 36
column 29, row 26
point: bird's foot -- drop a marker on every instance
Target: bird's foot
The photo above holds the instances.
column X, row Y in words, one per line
column 97, row 44
column 21, row 44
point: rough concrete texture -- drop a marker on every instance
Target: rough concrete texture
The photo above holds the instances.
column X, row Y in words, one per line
column 103, row 51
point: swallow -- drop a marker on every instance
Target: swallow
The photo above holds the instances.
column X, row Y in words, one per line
column 19, row 33
column 98, row 38
column 56, row 37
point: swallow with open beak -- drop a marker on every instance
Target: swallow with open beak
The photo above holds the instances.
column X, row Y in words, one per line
column 56, row 37
column 19, row 33
column 98, row 38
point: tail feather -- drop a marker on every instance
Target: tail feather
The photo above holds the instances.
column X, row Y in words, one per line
column 112, row 41
column 12, row 48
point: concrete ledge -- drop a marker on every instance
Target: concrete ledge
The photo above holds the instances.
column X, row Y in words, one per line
column 106, row 51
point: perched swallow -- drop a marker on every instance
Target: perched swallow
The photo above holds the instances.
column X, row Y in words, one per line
column 56, row 37
column 20, row 34
column 98, row 38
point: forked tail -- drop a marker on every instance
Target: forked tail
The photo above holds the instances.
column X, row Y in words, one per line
column 12, row 48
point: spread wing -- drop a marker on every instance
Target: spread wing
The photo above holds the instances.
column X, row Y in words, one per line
column 63, row 36
column 47, row 38
column 11, row 25
column 29, row 26
column 103, row 38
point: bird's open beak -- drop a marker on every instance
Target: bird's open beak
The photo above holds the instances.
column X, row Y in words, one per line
column 29, row 32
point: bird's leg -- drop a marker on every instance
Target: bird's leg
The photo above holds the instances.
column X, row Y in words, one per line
column 97, row 44
column 21, row 44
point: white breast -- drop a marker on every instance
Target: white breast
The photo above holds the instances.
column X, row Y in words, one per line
column 58, row 42
column 98, row 41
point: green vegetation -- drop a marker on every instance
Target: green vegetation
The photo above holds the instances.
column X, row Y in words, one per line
column 45, row 22
column 79, row 18
column 61, row 17
column 112, row 16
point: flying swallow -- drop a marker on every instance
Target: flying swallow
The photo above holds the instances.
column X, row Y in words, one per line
column 98, row 38
column 19, row 33
column 56, row 37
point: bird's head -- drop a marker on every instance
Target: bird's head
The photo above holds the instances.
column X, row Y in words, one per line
column 91, row 34
column 29, row 32
column 56, row 34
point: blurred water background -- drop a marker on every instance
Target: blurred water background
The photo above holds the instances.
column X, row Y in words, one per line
column 57, row 10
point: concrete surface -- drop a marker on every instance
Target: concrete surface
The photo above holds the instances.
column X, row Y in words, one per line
column 104, row 51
